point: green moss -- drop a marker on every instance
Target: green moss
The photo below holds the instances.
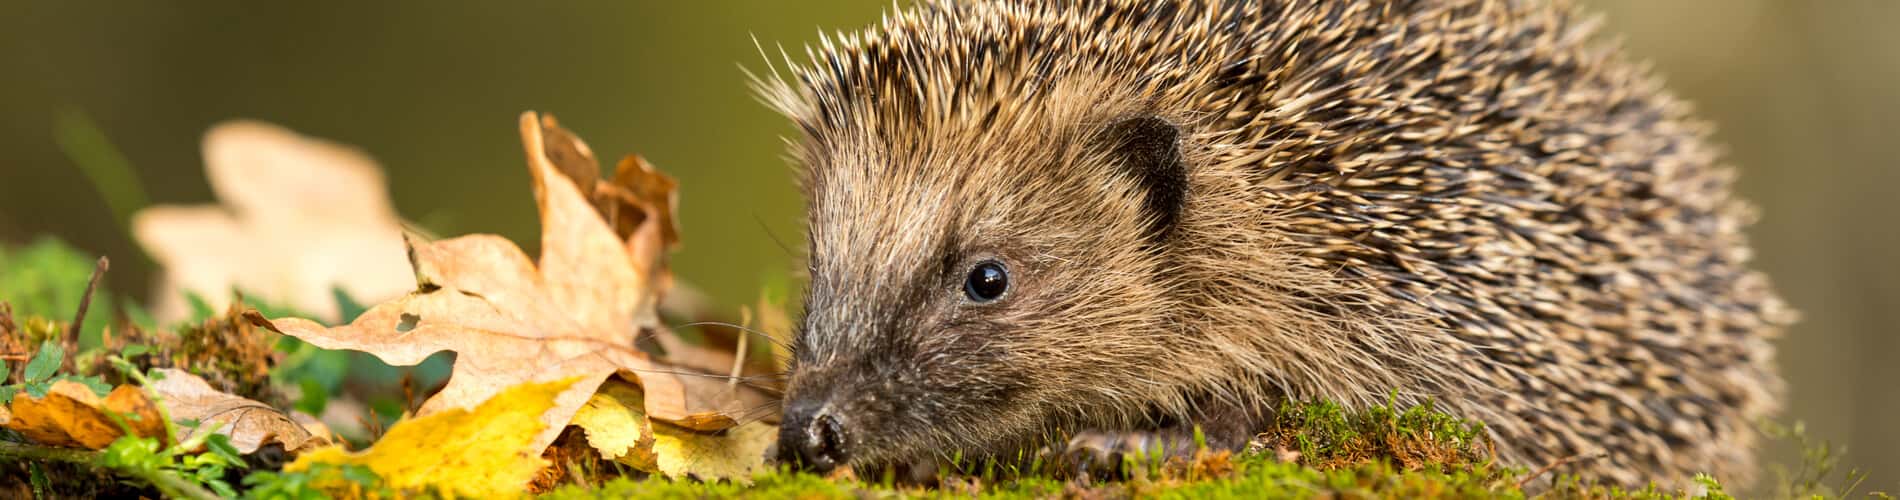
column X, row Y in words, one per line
column 1326, row 435
column 1376, row 453
column 1267, row 478
column 1254, row 476
column 772, row 485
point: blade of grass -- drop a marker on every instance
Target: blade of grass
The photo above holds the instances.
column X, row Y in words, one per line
column 102, row 163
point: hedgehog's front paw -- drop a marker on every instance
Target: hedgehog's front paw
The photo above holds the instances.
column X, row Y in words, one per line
column 1105, row 454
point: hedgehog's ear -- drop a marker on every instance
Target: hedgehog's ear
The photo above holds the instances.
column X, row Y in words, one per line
column 1149, row 147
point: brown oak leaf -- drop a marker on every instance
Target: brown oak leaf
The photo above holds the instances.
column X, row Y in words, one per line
column 511, row 320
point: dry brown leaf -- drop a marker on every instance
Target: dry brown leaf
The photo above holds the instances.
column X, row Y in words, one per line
column 637, row 207
column 584, row 272
column 71, row 415
column 585, row 266
column 511, row 321
column 481, row 298
column 300, row 216
column 568, row 154
column 637, row 193
column 249, row 423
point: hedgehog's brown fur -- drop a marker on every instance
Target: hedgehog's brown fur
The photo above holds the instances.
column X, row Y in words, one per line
column 1465, row 201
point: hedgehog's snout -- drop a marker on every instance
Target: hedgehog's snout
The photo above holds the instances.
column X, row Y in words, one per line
column 813, row 435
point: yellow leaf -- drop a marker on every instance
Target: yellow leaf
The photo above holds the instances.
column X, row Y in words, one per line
column 489, row 451
column 735, row 453
column 616, row 425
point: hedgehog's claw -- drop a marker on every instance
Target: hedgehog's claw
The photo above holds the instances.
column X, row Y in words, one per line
column 1113, row 454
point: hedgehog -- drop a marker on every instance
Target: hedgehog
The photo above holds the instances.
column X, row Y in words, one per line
column 1115, row 224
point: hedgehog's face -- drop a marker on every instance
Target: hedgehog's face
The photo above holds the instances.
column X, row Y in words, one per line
column 974, row 293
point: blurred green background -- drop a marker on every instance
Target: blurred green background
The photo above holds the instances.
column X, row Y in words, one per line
column 1805, row 94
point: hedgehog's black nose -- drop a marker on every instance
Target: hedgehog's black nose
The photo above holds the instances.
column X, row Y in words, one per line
column 813, row 435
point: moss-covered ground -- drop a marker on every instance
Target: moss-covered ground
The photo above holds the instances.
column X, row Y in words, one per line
column 1318, row 450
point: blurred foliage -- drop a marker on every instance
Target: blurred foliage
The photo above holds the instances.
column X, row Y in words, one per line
column 47, row 278
column 111, row 174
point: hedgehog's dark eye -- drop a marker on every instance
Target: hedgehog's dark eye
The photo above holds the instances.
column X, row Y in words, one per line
column 986, row 282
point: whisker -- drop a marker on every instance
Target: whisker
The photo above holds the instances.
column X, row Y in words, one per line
column 773, row 236
column 757, row 413
column 768, row 337
column 743, row 380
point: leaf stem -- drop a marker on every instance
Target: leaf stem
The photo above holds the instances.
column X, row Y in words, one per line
column 177, row 487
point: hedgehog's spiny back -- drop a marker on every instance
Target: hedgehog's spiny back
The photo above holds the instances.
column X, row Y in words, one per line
column 1456, row 199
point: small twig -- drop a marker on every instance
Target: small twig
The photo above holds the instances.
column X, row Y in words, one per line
column 85, row 301
column 739, row 353
column 1560, row 463
column 373, row 424
column 6, row 318
column 409, row 403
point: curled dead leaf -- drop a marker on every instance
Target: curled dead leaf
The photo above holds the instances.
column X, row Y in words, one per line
column 71, row 415
column 590, row 271
column 569, row 155
column 637, row 208
column 637, row 194
column 249, row 423
column 638, row 205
